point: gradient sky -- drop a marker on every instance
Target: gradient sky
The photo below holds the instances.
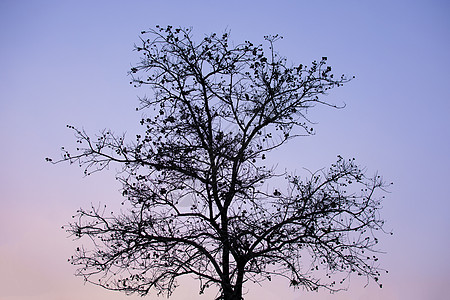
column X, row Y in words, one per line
column 66, row 62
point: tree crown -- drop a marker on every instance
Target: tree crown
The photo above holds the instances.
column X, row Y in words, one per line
column 196, row 185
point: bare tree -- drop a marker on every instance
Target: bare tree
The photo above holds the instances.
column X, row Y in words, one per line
column 196, row 187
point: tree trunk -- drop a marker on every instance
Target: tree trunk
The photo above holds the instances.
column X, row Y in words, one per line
column 234, row 293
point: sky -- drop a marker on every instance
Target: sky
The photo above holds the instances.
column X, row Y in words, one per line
column 66, row 62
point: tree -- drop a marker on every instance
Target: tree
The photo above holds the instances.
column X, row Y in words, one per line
column 196, row 190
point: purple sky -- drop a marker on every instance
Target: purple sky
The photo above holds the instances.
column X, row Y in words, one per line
column 66, row 62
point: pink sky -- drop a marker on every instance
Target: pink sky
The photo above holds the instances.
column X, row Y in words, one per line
column 65, row 62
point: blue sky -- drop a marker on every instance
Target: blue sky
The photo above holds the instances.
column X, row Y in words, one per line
column 66, row 62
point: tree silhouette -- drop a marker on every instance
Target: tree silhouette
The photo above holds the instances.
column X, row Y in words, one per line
column 198, row 195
